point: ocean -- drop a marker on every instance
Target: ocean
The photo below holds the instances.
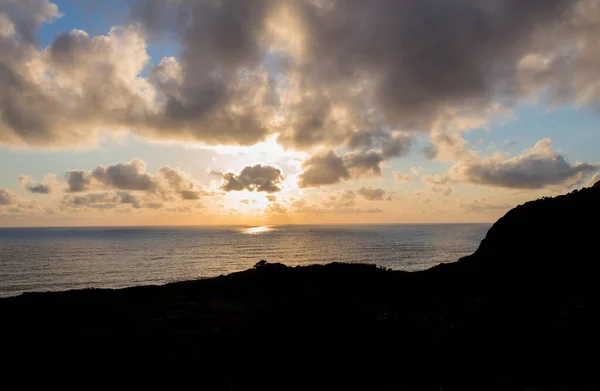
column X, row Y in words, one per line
column 54, row 259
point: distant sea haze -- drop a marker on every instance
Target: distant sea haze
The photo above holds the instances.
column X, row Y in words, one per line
column 53, row 259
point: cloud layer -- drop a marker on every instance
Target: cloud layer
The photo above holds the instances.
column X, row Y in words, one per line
column 332, row 78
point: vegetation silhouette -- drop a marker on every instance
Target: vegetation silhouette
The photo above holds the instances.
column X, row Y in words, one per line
column 522, row 312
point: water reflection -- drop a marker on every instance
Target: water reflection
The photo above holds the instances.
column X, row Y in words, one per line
column 256, row 230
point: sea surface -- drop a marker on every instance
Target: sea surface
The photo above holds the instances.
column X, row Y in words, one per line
column 51, row 259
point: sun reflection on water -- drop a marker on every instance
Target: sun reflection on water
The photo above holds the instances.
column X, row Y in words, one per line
column 256, row 230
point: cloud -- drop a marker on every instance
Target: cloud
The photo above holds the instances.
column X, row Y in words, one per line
column 438, row 184
column 401, row 177
column 133, row 176
column 322, row 170
column 364, row 164
column 275, row 208
column 446, row 147
column 444, row 191
column 373, row 194
column 538, row 167
column 436, row 180
column 397, row 146
column 347, row 199
column 181, row 183
column 63, row 95
column 107, row 200
column 47, row 185
column 79, row 181
column 329, row 168
column 254, row 178
column 340, row 82
column 8, row 198
column 130, row 175
column 341, row 203
column 12, row 203
column 390, row 144
column 271, row 198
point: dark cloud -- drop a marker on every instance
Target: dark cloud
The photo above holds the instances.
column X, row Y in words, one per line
column 322, row 170
column 45, row 187
column 96, row 200
column 126, row 176
column 364, row 164
column 373, row 194
column 391, row 144
column 79, row 181
column 538, row 167
column 397, row 146
column 341, row 82
column 418, row 73
column 327, row 169
column 132, row 176
column 106, row 200
column 271, row 198
column 257, row 178
column 217, row 90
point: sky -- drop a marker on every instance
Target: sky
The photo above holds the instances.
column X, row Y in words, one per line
column 181, row 112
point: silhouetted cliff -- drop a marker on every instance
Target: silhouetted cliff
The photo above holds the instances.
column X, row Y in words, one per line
column 522, row 312
column 549, row 233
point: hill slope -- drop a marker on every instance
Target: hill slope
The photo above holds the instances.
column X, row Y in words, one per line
column 522, row 311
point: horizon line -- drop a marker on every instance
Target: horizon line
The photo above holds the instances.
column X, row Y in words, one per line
column 240, row 225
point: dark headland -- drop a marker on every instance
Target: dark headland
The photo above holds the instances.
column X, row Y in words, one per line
column 522, row 312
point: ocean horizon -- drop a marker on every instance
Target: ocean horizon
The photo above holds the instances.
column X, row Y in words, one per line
column 64, row 258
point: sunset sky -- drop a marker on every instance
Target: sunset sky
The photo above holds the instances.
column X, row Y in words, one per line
column 283, row 112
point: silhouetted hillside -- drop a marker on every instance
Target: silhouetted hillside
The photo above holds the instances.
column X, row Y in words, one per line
column 522, row 312
column 550, row 233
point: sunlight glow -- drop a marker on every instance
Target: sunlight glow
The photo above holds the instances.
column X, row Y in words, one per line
column 256, row 230
column 266, row 152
